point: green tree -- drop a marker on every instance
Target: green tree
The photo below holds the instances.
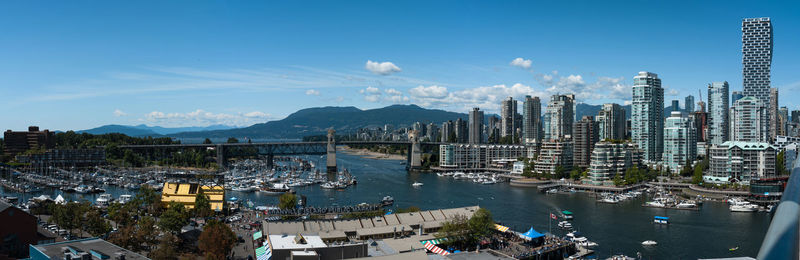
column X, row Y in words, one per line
column 96, row 225
column 147, row 199
column 207, row 141
column 481, row 224
column 167, row 248
column 216, row 241
column 456, row 226
column 780, row 164
column 232, row 140
column 174, row 218
column 287, row 201
column 202, row 205
column 560, row 172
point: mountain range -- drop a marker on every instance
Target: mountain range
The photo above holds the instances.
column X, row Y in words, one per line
column 316, row 121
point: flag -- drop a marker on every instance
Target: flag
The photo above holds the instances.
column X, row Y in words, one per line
column 553, row 216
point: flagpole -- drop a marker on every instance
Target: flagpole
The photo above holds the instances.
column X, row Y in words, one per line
column 550, row 223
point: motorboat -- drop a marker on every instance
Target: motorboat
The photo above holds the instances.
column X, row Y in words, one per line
column 565, row 225
column 656, row 203
column 552, row 191
column 125, row 198
column 566, row 214
column 661, row 220
column 417, row 184
column 277, row 188
column 686, row 205
column 649, row 243
column 387, row 201
column 610, row 199
column 744, row 207
column 328, row 185
column 103, row 200
column 83, row 189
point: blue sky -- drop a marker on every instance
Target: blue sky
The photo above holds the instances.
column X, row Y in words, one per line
column 78, row 65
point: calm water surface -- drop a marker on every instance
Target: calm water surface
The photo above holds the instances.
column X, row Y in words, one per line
column 619, row 228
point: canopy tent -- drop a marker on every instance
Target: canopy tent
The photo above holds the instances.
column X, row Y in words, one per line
column 60, row 200
column 500, row 228
column 532, row 234
column 435, row 249
column 257, row 235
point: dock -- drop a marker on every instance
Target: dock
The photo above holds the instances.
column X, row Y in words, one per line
column 671, row 207
column 591, row 188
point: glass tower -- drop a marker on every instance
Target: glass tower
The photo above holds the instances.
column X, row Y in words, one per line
column 647, row 122
column 718, row 113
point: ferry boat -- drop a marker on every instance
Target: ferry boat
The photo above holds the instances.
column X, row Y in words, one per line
column 660, row 220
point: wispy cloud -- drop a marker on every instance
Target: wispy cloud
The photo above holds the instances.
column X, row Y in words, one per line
column 119, row 113
column 201, row 117
column 381, row 68
column 522, row 63
column 312, row 92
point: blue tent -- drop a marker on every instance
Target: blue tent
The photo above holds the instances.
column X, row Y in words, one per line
column 532, row 234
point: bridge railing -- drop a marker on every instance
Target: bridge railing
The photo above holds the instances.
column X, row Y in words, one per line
column 782, row 240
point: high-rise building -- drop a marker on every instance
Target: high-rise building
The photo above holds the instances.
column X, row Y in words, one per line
column 554, row 153
column 610, row 159
column 493, row 129
column 680, row 142
column 774, row 120
column 736, row 95
column 475, row 126
column 749, row 121
column 718, row 113
column 700, row 119
column 584, row 135
column 796, row 116
column 647, row 124
column 756, row 57
column 611, row 121
column 689, row 104
column 432, row 131
column 508, row 112
column 559, row 116
column 676, row 105
column 21, row 141
column 447, row 132
column 461, row 131
column 532, row 120
column 783, row 120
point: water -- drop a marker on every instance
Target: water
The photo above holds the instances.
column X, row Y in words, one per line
column 617, row 228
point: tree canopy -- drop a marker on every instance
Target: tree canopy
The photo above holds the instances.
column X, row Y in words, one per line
column 217, row 240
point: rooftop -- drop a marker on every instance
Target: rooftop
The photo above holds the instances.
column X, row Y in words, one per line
column 92, row 246
column 288, row 242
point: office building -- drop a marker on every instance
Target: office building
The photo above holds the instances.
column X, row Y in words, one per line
column 736, row 95
column 783, row 120
column 448, row 132
column 475, row 126
column 559, row 116
column 532, row 120
column 749, row 121
column 20, row 141
column 554, row 153
column 647, row 123
column 689, row 104
column 508, row 112
column 718, row 120
column 493, row 129
column 676, row 106
column 432, row 132
column 612, row 158
column 611, row 122
column 756, row 57
column 584, row 135
column 796, row 116
column 735, row 161
column 680, row 142
column 774, row 120
column 461, row 131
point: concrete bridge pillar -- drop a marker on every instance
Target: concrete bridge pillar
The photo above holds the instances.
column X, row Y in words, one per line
column 415, row 154
column 220, row 156
column 331, row 155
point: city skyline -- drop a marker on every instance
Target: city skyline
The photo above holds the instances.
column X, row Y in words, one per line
column 64, row 78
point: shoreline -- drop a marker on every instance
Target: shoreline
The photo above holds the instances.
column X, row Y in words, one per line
column 372, row 155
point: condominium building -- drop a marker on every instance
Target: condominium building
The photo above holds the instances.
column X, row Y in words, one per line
column 532, row 120
column 559, row 116
column 735, row 161
column 611, row 122
column 447, row 130
column 612, row 158
column 461, row 131
column 774, row 118
column 493, row 128
column 431, row 132
column 680, row 142
column 689, row 104
column 475, row 126
column 736, row 95
column 554, row 153
column 749, row 121
column 478, row 156
column 584, row 135
column 718, row 113
column 783, row 120
column 20, row 141
column 647, row 123
column 508, row 113
column 756, row 57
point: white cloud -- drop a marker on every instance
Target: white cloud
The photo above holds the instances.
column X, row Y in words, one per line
column 672, row 92
column 201, row 117
column 371, row 94
column 382, row 68
column 522, row 63
column 393, row 92
column 312, row 92
column 119, row 113
column 602, row 88
column 486, row 97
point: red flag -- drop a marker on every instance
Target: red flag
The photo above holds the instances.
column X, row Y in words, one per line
column 553, row 216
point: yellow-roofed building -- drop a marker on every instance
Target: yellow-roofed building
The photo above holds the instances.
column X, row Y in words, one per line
column 185, row 194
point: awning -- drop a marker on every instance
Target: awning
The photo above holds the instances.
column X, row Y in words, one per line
column 532, row 234
column 435, row 241
column 257, row 235
column 435, row 249
column 500, row 228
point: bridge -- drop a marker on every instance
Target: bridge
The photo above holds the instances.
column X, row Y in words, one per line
column 328, row 148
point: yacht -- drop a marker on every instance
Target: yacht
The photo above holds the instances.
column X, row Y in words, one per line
column 649, row 243
column 124, row 198
column 387, row 201
column 686, row 205
column 565, row 225
column 552, row 191
column 744, row 207
column 103, row 200
column 656, row 203
column 277, row 188
column 83, row 189
column 417, row 184
column 328, row 185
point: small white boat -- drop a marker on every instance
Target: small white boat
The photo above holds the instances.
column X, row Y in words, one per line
column 124, row 198
column 686, row 205
column 552, row 191
column 744, row 208
column 328, row 185
column 649, row 243
column 565, row 225
column 657, row 204
column 417, row 184
column 103, row 200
